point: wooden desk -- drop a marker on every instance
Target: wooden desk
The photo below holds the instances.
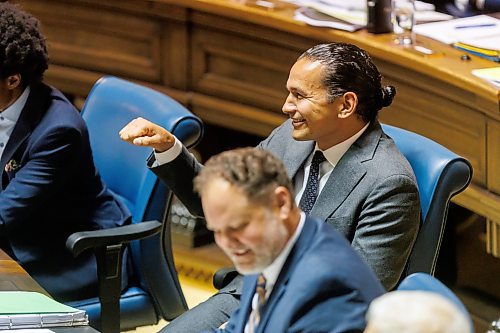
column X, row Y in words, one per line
column 229, row 64
column 14, row 278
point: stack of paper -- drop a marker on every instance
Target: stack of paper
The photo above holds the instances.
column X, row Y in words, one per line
column 23, row 309
column 486, row 47
column 462, row 29
column 492, row 75
column 355, row 11
column 315, row 18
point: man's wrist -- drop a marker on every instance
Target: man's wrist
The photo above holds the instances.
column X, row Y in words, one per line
column 166, row 156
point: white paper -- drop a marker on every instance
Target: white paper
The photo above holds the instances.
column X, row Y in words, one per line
column 450, row 32
column 354, row 11
column 38, row 330
column 486, row 42
column 491, row 75
column 356, row 4
column 431, row 16
column 311, row 17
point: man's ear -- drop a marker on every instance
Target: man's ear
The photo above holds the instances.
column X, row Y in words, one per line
column 13, row 81
column 284, row 200
column 349, row 105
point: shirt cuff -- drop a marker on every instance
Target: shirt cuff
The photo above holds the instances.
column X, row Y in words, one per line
column 168, row 155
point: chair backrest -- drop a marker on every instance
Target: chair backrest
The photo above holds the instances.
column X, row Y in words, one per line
column 110, row 105
column 441, row 174
column 426, row 282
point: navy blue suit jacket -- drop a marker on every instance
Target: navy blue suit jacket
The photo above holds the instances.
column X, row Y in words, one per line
column 324, row 286
column 49, row 188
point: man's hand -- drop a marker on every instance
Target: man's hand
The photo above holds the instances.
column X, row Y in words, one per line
column 142, row 132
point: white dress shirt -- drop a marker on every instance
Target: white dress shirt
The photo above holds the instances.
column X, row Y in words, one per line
column 9, row 117
column 332, row 155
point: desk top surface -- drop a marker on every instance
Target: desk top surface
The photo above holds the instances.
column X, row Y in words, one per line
column 445, row 63
column 14, row 278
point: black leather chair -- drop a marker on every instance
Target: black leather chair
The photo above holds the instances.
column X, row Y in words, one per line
column 153, row 291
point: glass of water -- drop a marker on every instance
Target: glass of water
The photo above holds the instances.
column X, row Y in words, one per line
column 403, row 20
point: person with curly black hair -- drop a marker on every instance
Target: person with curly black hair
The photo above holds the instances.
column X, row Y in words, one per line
column 49, row 186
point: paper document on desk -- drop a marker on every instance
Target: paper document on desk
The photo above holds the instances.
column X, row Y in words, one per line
column 28, row 330
column 457, row 30
column 492, row 75
column 355, row 11
column 491, row 43
column 317, row 19
column 24, row 309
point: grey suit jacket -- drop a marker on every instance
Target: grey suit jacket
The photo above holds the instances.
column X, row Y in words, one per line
column 371, row 196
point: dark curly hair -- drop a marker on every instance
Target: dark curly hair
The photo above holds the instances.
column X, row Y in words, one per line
column 349, row 68
column 255, row 171
column 22, row 46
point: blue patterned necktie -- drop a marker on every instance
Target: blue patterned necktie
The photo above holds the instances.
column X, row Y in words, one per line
column 311, row 191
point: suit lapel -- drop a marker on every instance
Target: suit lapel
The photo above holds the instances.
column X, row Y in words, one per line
column 249, row 283
column 296, row 154
column 347, row 173
column 291, row 262
column 28, row 120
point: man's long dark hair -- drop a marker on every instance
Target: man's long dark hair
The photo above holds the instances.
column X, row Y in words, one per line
column 349, row 68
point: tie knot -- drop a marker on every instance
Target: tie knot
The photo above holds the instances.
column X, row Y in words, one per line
column 318, row 157
column 261, row 281
column 261, row 289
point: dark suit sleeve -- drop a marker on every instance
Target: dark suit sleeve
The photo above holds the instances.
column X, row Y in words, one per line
column 344, row 312
column 179, row 175
column 388, row 226
column 492, row 5
column 49, row 167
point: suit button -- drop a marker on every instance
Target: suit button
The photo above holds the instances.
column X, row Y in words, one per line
column 1, row 144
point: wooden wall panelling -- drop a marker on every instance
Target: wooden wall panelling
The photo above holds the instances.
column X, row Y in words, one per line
column 235, row 116
column 112, row 42
column 241, row 74
column 494, row 156
column 174, row 55
column 241, row 63
column 493, row 238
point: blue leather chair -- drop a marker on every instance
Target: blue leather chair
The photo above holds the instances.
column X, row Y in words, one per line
column 154, row 290
column 426, row 282
column 441, row 174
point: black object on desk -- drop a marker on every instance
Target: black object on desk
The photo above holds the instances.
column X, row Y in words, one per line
column 379, row 16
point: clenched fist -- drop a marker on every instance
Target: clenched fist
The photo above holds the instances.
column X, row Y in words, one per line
column 142, row 132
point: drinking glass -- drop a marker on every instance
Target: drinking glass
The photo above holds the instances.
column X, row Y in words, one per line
column 403, row 20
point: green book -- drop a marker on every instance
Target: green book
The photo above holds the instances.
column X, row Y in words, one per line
column 24, row 309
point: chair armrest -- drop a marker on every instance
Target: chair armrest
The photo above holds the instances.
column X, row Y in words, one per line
column 83, row 240
column 223, row 276
column 108, row 246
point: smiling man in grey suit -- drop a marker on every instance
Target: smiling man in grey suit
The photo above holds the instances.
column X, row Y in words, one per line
column 367, row 189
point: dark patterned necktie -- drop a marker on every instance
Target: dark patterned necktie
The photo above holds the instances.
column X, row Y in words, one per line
column 311, row 191
column 260, row 289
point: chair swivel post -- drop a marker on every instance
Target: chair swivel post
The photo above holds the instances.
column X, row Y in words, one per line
column 109, row 263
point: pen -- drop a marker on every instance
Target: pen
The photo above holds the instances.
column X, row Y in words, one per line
column 475, row 26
